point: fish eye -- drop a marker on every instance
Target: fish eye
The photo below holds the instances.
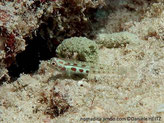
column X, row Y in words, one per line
column 53, row 63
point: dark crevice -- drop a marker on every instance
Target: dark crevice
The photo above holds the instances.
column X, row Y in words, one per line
column 28, row 61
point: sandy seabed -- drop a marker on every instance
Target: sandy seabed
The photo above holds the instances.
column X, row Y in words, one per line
column 137, row 94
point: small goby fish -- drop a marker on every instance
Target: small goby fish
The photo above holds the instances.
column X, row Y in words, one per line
column 70, row 67
column 83, row 68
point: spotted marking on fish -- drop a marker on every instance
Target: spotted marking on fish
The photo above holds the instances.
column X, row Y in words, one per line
column 81, row 68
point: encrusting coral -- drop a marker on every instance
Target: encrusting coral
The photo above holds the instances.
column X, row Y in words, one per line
column 79, row 48
column 119, row 39
column 17, row 21
column 14, row 27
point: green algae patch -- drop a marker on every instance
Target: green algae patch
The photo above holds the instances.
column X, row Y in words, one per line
column 119, row 39
column 79, row 48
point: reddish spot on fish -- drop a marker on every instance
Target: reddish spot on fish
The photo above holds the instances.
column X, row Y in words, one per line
column 61, row 62
column 75, row 64
column 67, row 64
column 87, row 71
column 63, row 69
column 81, row 70
column 73, row 69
